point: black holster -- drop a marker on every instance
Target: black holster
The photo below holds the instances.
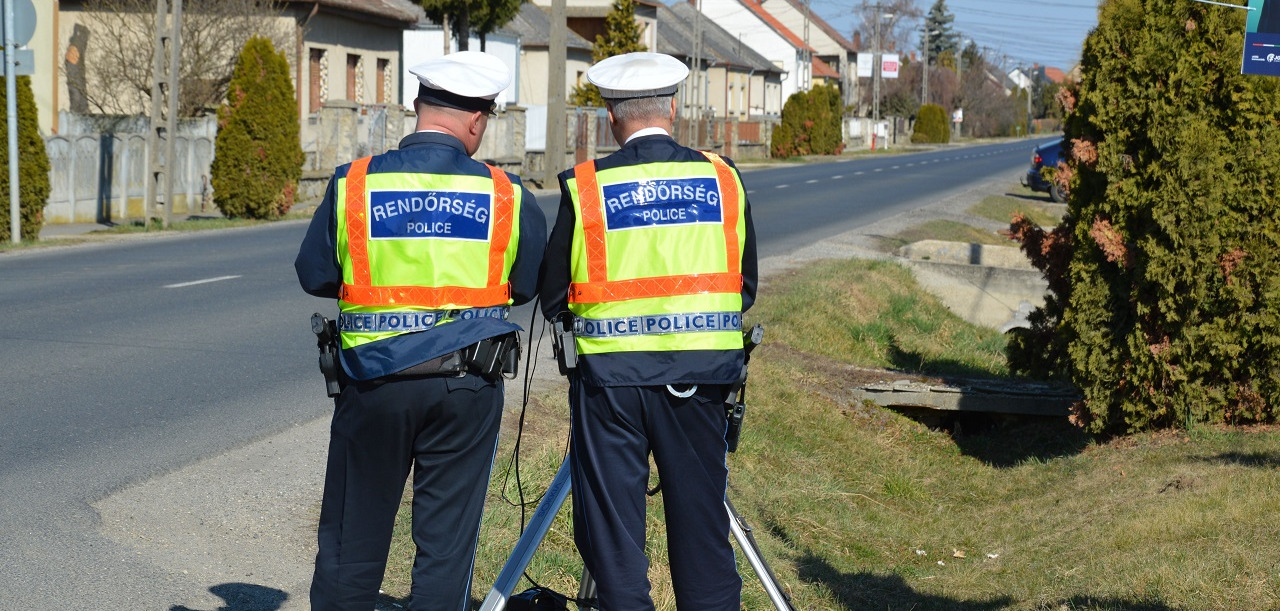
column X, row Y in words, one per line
column 327, row 342
column 562, row 343
column 735, row 404
column 494, row 357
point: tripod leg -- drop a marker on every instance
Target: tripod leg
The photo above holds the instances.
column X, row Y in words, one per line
column 529, row 541
column 742, row 532
column 587, row 591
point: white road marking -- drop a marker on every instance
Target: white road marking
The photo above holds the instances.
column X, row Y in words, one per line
column 195, row 282
column 782, row 186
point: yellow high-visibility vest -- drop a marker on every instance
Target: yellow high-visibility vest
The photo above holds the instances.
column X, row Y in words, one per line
column 656, row 257
column 418, row 250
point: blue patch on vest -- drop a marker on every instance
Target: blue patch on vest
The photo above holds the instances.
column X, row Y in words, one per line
column 662, row 201
column 453, row 215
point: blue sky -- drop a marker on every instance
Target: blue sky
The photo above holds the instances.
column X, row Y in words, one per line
column 1047, row 32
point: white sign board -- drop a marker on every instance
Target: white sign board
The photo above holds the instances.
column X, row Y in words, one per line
column 864, row 65
column 889, row 65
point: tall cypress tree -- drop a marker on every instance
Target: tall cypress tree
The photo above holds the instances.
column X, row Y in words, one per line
column 33, row 167
column 1166, row 310
column 621, row 35
column 258, row 154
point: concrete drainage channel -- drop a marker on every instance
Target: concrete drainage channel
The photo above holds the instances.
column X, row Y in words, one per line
column 991, row 286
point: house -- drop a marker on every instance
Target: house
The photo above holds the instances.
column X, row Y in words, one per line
column 586, row 18
column 835, row 57
column 764, row 33
column 348, row 50
column 737, row 81
column 532, row 26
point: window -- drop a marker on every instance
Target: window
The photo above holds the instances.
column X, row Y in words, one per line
column 319, row 81
column 354, row 88
column 384, row 80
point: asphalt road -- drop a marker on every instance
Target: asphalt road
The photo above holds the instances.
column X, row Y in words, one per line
column 131, row 359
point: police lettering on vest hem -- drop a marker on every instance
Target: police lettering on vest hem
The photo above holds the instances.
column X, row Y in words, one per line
column 658, row 324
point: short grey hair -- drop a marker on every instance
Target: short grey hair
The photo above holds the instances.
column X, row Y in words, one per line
column 641, row 109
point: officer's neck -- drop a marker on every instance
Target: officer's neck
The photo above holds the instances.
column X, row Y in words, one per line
column 626, row 130
column 647, row 131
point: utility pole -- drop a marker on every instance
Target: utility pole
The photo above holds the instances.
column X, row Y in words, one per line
column 924, row 70
column 697, row 72
column 808, row 52
column 1030, row 85
column 167, row 45
column 556, row 134
column 875, row 75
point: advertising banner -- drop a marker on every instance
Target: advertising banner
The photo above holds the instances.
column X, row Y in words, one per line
column 889, row 64
column 1262, row 39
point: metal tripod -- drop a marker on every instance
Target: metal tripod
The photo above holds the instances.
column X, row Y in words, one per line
column 554, row 498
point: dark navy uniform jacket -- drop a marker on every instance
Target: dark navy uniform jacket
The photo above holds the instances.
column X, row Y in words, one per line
column 320, row 275
column 642, row 368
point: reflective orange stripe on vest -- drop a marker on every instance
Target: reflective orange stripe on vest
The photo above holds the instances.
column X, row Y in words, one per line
column 361, row 291
column 599, row 289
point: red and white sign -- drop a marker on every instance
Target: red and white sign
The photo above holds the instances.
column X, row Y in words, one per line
column 889, row 65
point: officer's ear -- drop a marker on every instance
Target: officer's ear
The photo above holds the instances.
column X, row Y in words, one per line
column 673, row 109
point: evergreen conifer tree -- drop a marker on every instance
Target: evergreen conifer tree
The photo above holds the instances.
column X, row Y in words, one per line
column 33, row 167
column 940, row 38
column 1166, row 274
column 810, row 124
column 258, row 156
column 621, row 35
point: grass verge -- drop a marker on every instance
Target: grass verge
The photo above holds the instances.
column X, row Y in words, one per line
column 1001, row 208
column 947, row 231
column 858, row 507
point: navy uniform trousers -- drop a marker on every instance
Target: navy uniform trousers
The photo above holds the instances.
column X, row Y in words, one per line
column 614, row 431
column 446, row 428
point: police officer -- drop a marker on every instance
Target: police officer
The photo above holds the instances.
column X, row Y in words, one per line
column 425, row 249
column 653, row 257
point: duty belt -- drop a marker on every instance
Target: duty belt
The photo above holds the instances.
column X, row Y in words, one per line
column 419, row 320
column 657, row 324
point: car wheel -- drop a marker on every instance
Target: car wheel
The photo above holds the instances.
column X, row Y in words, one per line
column 1057, row 194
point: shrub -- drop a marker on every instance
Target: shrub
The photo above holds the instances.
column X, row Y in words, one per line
column 33, row 166
column 1166, row 312
column 931, row 125
column 258, row 158
column 810, row 124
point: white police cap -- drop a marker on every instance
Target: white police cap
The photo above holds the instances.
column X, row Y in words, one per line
column 637, row 75
column 467, row 80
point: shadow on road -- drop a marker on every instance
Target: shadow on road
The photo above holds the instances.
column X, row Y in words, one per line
column 243, row 597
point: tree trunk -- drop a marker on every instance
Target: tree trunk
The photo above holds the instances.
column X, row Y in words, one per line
column 462, row 30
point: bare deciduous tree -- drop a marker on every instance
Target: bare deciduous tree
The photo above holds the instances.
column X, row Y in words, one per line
column 898, row 20
column 113, row 64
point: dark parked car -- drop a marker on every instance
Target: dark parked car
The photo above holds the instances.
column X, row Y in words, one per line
column 1045, row 155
